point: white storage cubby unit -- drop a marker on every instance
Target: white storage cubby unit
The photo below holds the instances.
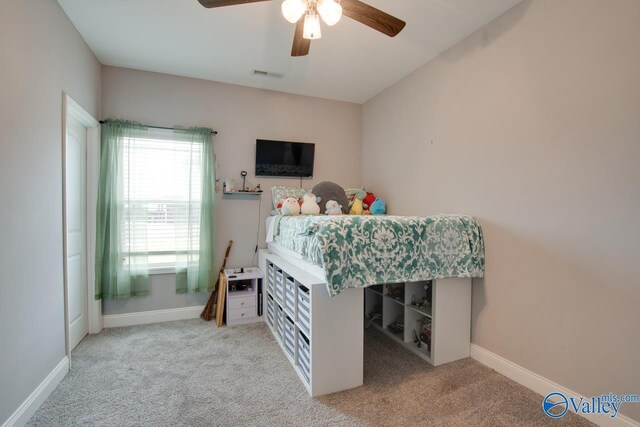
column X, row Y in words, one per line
column 443, row 328
column 321, row 336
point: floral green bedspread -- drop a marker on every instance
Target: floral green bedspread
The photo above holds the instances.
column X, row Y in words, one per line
column 361, row 250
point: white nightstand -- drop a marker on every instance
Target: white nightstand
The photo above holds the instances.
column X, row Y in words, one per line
column 244, row 295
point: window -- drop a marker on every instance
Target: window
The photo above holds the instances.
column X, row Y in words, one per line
column 155, row 208
column 161, row 195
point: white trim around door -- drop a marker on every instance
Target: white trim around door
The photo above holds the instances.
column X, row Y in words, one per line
column 71, row 108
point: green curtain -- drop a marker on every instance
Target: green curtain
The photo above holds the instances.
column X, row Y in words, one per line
column 194, row 269
column 122, row 254
column 118, row 274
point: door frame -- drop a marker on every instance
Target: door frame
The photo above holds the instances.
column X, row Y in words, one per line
column 71, row 109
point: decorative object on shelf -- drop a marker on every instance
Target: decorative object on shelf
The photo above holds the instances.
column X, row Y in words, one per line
column 396, row 292
column 333, row 208
column 330, row 11
column 290, row 206
column 310, row 205
column 424, row 331
column 244, row 180
column 398, row 325
column 229, row 185
column 429, row 295
column 416, row 340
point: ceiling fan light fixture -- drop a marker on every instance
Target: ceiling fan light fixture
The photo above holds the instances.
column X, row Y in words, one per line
column 330, row 11
column 292, row 10
column 311, row 26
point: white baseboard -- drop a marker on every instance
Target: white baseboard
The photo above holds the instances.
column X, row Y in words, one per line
column 541, row 385
column 29, row 407
column 154, row 316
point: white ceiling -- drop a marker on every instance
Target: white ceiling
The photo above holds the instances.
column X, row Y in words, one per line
column 350, row 63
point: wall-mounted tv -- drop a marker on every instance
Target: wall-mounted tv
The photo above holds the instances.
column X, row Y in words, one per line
column 283, row 158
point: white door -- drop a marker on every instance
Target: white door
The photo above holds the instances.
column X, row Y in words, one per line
column 76, row 207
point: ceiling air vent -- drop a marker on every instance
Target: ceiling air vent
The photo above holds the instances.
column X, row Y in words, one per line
column 270, row 74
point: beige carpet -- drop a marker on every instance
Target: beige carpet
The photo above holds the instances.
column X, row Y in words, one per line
column 189, row 373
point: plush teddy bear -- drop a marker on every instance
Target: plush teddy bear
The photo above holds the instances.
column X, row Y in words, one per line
column 379, row 207
column 310, row 205
column 290, row 206
column 333, row 208
column 358, row 206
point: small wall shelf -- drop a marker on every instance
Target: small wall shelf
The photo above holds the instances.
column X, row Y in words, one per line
column 244, row 193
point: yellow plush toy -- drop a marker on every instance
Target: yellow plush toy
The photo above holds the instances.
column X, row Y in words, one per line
column 357, row 208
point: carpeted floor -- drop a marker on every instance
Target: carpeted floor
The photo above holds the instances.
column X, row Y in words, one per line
column 190, row 373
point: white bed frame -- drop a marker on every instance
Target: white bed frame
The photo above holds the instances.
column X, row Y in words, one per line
column 323, row 336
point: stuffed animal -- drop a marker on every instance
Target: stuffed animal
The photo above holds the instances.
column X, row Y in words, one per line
column 290, row 206
column 358, row 206
column 332, row 191
column 379, row 207
column 369, row 199
column 310, row 205
column 333, row 208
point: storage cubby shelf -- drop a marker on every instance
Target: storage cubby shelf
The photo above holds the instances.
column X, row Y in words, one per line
column 326, row 350
column 398, row 301
column 420, row 310
column 442, row 325
column 321, row 336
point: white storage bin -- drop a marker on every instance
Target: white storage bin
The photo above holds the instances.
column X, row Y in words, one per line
column 290, row 296
column 279, row 288
column 280, row 323
column 304, row 356
column 289, row 336
column 304, row 309
column 271, row 278
column 270, row 311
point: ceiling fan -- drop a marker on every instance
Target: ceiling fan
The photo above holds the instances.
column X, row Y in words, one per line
column 330, row 11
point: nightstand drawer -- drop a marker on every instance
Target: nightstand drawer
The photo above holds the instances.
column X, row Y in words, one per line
column 242, row 302
column 242, row 313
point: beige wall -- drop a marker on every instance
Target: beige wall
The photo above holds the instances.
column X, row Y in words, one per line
column 533, row 125
column 240, row 115
column 42, row 55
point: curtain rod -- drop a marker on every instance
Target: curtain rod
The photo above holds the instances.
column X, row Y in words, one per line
column 215, row 132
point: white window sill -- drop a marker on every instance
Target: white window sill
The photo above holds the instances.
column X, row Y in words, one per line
column 161, row 270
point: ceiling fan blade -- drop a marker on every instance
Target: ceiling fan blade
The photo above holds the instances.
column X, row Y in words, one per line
column 300, row 44
column 221, row 3
column 372, row 17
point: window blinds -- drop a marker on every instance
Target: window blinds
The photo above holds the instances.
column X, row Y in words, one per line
column 161, row 192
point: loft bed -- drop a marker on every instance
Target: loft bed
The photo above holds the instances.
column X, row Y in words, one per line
column 362, row 250
column 317, row 269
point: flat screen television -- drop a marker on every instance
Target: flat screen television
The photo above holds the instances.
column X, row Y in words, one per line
column 283, row 158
